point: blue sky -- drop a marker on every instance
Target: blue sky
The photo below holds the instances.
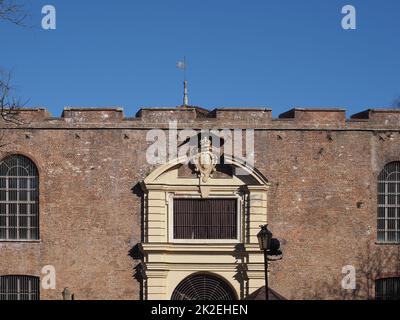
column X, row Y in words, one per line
column 277, row 54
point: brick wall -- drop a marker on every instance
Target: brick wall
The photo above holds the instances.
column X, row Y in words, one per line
column 322, row 201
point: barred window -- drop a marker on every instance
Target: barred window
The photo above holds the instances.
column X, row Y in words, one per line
column 389, row 204
column 19, row 199
column 201, row 219
column 19, row 288
column 387, row 289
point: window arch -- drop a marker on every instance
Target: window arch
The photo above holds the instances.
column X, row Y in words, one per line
column 203, row 286
column 19, row 288
column 19, row 199
column 389, row 204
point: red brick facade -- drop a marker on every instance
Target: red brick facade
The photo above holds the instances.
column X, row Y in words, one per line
column 322, row 203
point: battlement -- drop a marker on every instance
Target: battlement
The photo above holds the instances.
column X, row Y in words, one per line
column 324, row 118
column 331, row 116
column 27, row 114
column 93, row 114
column 242, row 114
column 181, row 113
column 382, row 116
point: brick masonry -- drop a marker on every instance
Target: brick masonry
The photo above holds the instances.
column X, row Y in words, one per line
column 322, row 168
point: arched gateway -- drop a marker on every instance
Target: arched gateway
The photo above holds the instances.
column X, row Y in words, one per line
column 201, row 216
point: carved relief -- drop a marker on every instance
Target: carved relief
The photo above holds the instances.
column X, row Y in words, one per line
column 205, row 161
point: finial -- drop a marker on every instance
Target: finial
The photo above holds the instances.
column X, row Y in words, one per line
column 185, row 94
column 183, row 66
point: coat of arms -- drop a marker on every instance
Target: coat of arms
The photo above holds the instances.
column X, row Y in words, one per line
column 205, row 161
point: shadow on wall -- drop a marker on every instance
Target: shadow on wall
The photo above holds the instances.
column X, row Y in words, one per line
column 139, row 272
column 372, row 262
column 135, row 252
column 242, row 258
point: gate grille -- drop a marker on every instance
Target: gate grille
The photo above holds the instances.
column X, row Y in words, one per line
column 205, row 219
column 203, row 287
column 19, row 288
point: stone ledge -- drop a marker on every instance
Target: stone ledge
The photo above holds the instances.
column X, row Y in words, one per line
column 195, row 248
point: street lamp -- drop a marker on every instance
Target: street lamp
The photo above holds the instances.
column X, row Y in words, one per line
column 269, row 246
column 264, row 238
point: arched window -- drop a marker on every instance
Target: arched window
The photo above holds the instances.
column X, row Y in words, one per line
column 389, row 204
column 19, row 288
column 19, row 199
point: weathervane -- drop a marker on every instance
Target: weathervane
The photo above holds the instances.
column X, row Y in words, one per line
column 183, row 66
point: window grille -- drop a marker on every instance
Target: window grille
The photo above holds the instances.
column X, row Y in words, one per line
column 19, row 199
column 19, row 288
column 200, row 219
column 387, row 289
column 203, row 287
column 389, row 204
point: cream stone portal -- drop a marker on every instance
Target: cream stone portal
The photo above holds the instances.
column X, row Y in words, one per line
column 167, row 262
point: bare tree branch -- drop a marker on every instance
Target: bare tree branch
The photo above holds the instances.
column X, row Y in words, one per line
column 13, row 11
column 9, row 105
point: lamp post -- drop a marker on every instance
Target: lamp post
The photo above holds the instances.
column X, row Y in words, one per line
column 264, row 240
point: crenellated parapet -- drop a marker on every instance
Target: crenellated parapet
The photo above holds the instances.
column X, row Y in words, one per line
column 196, row 117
